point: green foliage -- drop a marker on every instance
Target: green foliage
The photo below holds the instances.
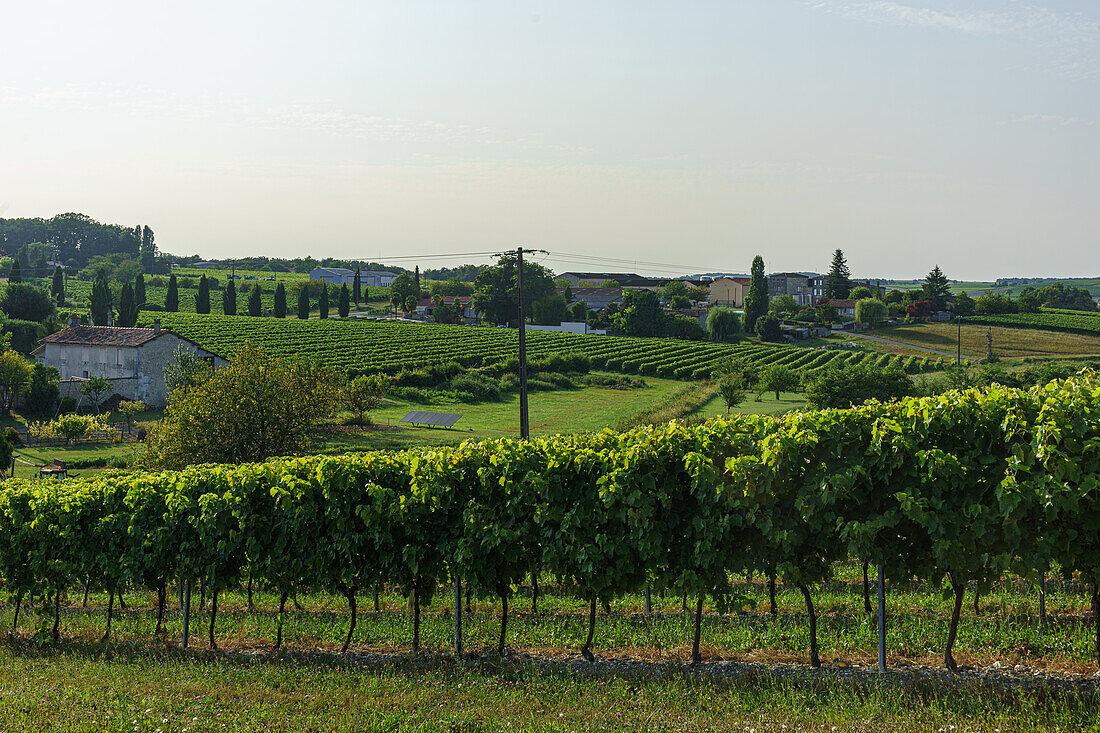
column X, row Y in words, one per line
column 936, row 288
column 127, row 307
column 723, row 323
column 279, row 311
column 994, row 303
column 550, row 310
column 15, row 371
column 362, row 394
column 871, row 311
column 853, row 385
column 732, row 390
column 95, row 388
column 496, row 290
column 57, row 286
column 322, row 304
column 641, row 314
column 229, row 299
column 401, row 289
column 756, row 302
column 26, row 302
column 838, row 283
column 22, row 335
column 303, row 304
column 202, row 298
column 778, row 378
column 43, row 391
column 768, row 328
column 186, row 369
column 826, row 313
column 783, row 304
column 860, row 293
column 172, row 299
column 684, row 328
column 255, row 304
column 343, row 304
column 963, row 306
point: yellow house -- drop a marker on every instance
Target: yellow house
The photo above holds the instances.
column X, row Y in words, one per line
column 729, row 291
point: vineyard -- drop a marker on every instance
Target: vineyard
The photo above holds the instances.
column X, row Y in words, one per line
column 966, row 487
column 365, row 346
column 1051, row 319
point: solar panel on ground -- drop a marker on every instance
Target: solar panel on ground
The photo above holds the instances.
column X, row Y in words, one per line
column 436, row 419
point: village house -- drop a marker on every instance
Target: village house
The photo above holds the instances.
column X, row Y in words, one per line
column 794, row 284
column 728, row 291
column 132, row 359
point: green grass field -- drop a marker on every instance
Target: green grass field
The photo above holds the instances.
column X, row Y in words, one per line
column 1007, row 342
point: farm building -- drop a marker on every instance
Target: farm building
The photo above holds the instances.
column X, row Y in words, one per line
column 333, row 275
column 376, row 278
column 132, row 359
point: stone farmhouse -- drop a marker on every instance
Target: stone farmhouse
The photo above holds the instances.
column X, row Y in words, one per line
column 132, row 359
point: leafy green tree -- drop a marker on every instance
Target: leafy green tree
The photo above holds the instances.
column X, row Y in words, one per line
column 255, row 304
column 101, row 302
column 723, row 323
column 768, row 328
column 172, row 299
column 280, row 301
column 127, row 307
column 838, row 283
column 453, row 286
column 362, row 394
column 641, row 314
column 229, row 299
column 186, row 369
column 756, row 302
column 401, row 289
column 860, row 293
column 732, row 390
column 26, row 302
column 16, row 274
column 853, row 385
column 94, row 389
column 894, row 296
column 139, row 291
column 778, row 378
column 276, row 404
column 550, row 310
column 578, row 311
column 202, row 298
column 1029, row 301
column 936, row 288
column 1061, row 295
column 674, row 289
column 303, row 304
column 357, row 287
column 410, row 304
column 129, row 408
column 871, row 311
column 43, row 391
column 826, row 313
column 323, row 304
column 57, row 287
column 994, row 303
column 15, row 372
column 684, row 328
column 496, row 296
column 783, row 304
column 148, row 250
column 343, row 306
column 963, row 305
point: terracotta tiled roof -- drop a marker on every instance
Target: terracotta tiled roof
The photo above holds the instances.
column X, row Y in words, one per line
column 838, row 303
column 103, row 336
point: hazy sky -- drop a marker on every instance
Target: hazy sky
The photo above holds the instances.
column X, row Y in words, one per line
column 699, row 134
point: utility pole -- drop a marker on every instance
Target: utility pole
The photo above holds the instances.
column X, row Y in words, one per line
column 524, row 425
column 959, row 343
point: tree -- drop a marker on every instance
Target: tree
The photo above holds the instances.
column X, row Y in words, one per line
column 778, row 378
column 343, row 304
column 148, row 250
column 674, row 289
column 139, row 291
column 685, row 328
column 783, row 304
column 202, row 298
column 453, row 286
column 280, row 301
column 936, row 288
column 357, row 286
column 57, row 287
column 416, row 278
column 303, row 304
column 838, row 283
column 698, row 294
column 101, row 301
column 255, row 304
column 229, row 299
column 853, row 385
column 768, row 328
column 894, row 296
column 16, row 274
column 94, row 389
column 129, row 408
column 963, row 305
column 871, row 311
column 1060, row 295
column 27, row 302
column 860, row 293
column 443, row 313
column 172, row 299
column 550, row 310
column 256, row 407
column 362, row 394
column 723, row 323
column 496, row 290
column 732, row 390
column 186, row 370
column 410, row 304
column 1029, row 301
column 127, row 307
column 15, row 371
column 401, row 288
column 756, row 302
column 826, row 313
column 323, row 303
column 641, row 314
column 921, row 310
column 994, row 303
column 578, row 311
column 43, row 391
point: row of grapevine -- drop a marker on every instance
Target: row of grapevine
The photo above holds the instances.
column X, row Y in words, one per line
column 365, row 346
column 965, row 486
column 1067, row 321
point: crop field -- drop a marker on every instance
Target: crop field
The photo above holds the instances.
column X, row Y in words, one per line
column 1008, row 342
column 1079, row 322
column 365, row 346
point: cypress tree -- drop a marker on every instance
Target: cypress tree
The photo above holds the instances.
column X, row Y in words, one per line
column 342, row 304
column 357, row 286
column 202, row 299
column 323, row 305
column 172, row 300
column 756, row 302
column 229, row 299
column 303, row 302
column 16, row 274
column 139, row 290
column 255, row 306
column 101, row 300
column 417, row 277
column 57, row 290
column 127, row 307
column 280, row 301
column 839, row 283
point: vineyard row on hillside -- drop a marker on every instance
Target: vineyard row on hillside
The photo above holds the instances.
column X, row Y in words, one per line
column 366, row 346
column 1050, row 320
column 965, row 486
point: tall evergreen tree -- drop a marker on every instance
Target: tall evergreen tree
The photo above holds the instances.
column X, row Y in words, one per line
column 229, row 299
column 16, row 274
column 936, row 288
column 148, row 250
column 342, row 304
column 255, row 305
column 172, row 299
column 323, row 305
column 280, row 301
column 838, row 284
column 57, row 288
column 139, row 290
column 202, row 298
column 127, row 307
column 357, row 286
column 303, row 303
column 417, row 276
column 101, row 300
column 756, row 302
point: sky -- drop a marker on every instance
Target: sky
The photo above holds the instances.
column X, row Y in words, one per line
column 638, row 136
